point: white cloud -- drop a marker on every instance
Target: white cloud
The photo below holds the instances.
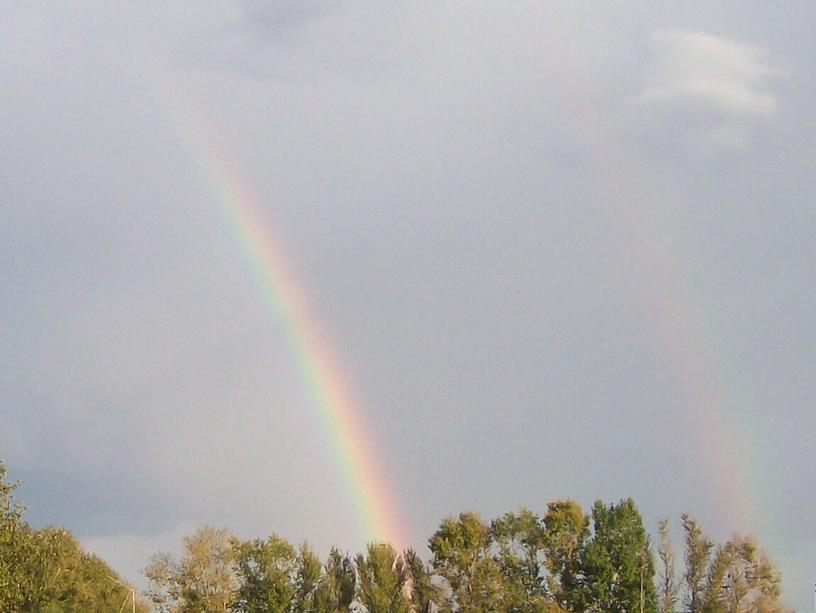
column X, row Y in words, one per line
column 717, row 86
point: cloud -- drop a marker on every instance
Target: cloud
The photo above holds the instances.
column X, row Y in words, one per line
column 716, row 86
column 268, row 17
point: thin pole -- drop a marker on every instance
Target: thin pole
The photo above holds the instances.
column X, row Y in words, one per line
column 132, row 594
column 642, row 560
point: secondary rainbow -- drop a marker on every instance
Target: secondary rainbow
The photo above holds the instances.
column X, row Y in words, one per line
column 328, row 388
column 673, row 312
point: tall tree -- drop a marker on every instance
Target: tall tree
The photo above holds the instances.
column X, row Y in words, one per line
column 336, row 589
column 741, row 579
column 382, row 578
column 267, row 575
column 14, row 545
column 616, row 564
column 48, row 570
column 203, row 581
column 62, row 577
column 519, row 543
column 697, row 553
column 461, row 556
column 307, row 578
column 424, row 594
column 566, row 530
column 667, row 579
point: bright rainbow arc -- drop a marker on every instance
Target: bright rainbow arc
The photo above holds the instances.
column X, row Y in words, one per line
column 323, row 378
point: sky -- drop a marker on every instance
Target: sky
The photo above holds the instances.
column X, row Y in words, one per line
column 559, row 249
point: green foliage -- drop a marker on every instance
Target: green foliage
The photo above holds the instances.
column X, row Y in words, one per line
column 461, row 549
column 425, row 595
column 307, row 578
column 566, row 530
column 267, row 572
column 519, row 542
column 48, row 571
column 336, row 588
column 616, row 564
column 382, row 579
column 668, row 589
column 14, row 535
column 520, row 563
column 697, row 550
column 63, row 578
column 741, row 578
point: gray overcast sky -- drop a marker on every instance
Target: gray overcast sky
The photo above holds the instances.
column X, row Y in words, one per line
column 563, row 248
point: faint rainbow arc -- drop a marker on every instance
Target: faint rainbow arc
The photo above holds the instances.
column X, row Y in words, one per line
column 671, row 313
column 323, row 378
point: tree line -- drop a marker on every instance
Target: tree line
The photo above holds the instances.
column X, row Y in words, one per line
column 562, row 560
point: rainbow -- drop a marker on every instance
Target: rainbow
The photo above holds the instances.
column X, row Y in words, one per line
column 327, row 387
column 725, row 457
column 672, row 311
column 669, row 310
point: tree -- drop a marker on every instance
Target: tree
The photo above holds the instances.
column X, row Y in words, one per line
column 668, row 587
column 382, row 579
column 203, row 581
column 460, row 549
column 307, row 578
column 566, row 530
column 425, row 596
column 14, row 543
column 336, row 588
column 61, row 577
column 47, row 570
column 617, row 570
column 741, row 579
column 267, row 575
column 519, row 541
column 697, row 553
column 736, row 577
